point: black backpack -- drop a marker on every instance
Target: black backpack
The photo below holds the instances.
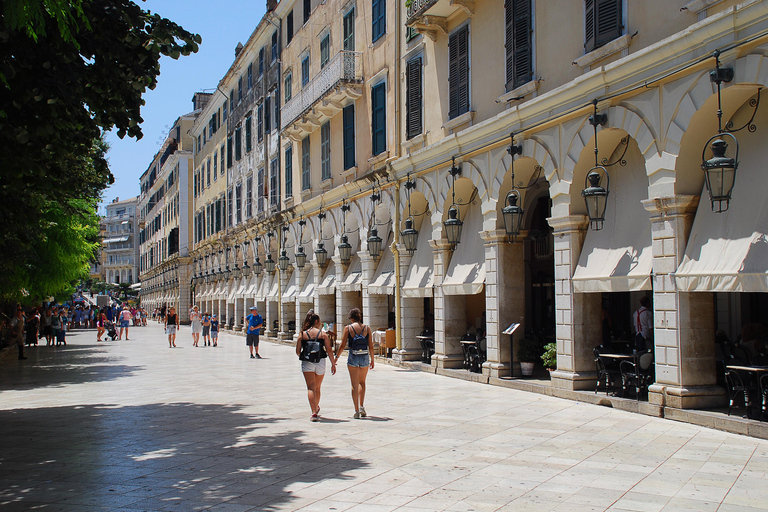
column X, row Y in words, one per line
column 358, row 341
column 312, row 350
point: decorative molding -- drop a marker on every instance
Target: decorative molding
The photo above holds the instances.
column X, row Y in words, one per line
column 524, row 90
column 617, row 45
column 459, row 120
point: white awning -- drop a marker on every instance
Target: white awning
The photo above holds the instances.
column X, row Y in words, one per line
column 353, row 280
column 253, row 285
column 383, row 282
column 232, row 291
column 728, row 252
column 221, row 290
column 263, row 290
column 241, row 285
column 328, row 284
column 618, row 258
column 116, row 239
column 135, row 286
column 466, row 272
column 419, row 278
column 308, row 290
column 291, row 288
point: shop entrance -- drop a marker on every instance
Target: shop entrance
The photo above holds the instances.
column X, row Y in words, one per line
column 540, row 275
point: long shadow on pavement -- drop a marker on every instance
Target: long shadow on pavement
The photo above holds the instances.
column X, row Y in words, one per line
column 165, row 457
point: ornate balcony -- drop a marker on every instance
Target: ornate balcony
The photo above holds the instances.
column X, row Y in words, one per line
column 253, row 96
column 322, row 97
column 430, row 17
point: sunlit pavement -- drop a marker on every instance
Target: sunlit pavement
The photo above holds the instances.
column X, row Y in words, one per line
column 134, row 425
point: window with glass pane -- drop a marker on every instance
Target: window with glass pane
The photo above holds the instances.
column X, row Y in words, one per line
column 267, row 116
column 379, row 124
column 229, row 208
column 349, row 30
column 238, row 143
column 289, row 171
column 240, row 89
column 229, row 152
column 348, row 132
column 378, row 19
column 289, row 28
column 221, row 155
column 260, row 190
column 307, row 10
column 274, row 184
column 287, row 87
column 261, row 62
column 273, row 53
column 249, row 197
column 305, row 177
column 248, row 134
column 260, row 122
column 250, row 76
column 238, row 202
column 305, row 71
column 325, row 50
column 207, row 175
column 325, row 151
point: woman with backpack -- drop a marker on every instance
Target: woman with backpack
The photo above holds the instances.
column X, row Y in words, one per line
column 360, row 357
column 313, row 347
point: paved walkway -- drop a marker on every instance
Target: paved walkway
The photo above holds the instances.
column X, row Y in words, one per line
column 134, row 425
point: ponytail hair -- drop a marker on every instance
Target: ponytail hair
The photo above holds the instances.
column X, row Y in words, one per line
column 310, row 320
column 355, row 315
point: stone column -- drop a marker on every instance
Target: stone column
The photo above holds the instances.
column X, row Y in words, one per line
column 684, row 343
column 578, row 315
column 239, row 313
column 287, row 308
column 183, row 290
column 504, row 299
column 374, row 306
column 411, row 318
column 450, row 313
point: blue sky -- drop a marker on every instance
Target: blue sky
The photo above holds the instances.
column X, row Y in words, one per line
column 222, row 25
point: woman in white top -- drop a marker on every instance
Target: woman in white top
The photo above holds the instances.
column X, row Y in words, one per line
column 197, row 325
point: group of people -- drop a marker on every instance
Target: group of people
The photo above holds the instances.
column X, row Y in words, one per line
column 313, row 346
column 205, row 324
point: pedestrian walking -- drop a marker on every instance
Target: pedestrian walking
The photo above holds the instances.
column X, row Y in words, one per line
column 360, row 358
column 206, row 329
column 215, row 330
column 255, row 323
column 17, row 330
column 125, row 321
column 197, row 325
column 313, row 347
column 171, row 326
column 33, row 324
column 45, row 324
column 61, row 333
column 101, row 325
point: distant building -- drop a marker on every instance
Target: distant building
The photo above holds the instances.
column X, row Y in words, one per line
column 120, row 250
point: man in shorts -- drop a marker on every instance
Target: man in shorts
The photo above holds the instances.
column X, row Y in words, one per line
column 255, row 323
column 215, row 330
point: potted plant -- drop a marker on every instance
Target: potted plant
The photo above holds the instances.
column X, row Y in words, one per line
column 549, row 357
column 528, row 352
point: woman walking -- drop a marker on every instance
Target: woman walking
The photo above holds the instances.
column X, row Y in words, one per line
column 125, row 322
column 206, row 329
column 197, row 326
column 101, row 319
column 313, row 347
column 171, row 326
column 360, row 358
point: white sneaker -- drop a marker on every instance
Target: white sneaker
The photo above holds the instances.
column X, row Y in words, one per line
column 362, row 412
column 356, row 416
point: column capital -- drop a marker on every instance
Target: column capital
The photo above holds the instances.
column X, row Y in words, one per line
column 440, row 245
column 498, row 236
column 568, row 223
column 671, row 205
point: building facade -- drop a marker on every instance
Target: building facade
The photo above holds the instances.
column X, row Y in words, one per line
column 448, row 122
column 120, row 247
column 165, row 210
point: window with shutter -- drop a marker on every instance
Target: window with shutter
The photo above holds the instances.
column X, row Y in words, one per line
column 307, row 10
column 289, row 171
column 518, row 42
column 250, row 76
column 248, row 134
column 221, row 152
column 229, row 152
column 325, row 50
column 349, row 30
column 602, row 22
column 260, row 122
column 305, row 176
column 267, row 114
column 238, row 143
column 413, row 97
column 325, row 151
column 260, row 190
column 348, row 119
column 305, row 71
column 458, row 72
column 379, row 117
column 238, row 203
column 273, row 52
column 289, row 28
column 287, row 87
column 274, row 184
column 378, row 19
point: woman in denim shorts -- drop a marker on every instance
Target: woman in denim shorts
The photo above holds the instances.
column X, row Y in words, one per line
column 359, row 359
column 313, row 363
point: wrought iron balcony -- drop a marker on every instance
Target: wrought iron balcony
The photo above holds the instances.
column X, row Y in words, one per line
column 252, row 96
column 343, row 69
column 430, row 16
column 417, row 8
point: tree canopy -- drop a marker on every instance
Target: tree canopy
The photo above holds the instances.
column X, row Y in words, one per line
column 69, row 70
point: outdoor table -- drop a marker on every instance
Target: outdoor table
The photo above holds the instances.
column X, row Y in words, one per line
column 427, row 348
column 469, row 353
column 754, row 373
column 611, row 362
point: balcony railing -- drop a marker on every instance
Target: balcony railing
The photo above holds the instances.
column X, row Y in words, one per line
column 251, row 97
column 417, row 8
column 344, row 67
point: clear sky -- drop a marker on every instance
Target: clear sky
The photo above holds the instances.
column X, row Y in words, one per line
column 222, row 25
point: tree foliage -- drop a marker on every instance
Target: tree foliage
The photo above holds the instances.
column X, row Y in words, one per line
column 69, row 69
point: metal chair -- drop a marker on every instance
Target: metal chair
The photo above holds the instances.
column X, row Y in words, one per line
column 606, row 373
column 738, row 387
column 763, row 382
column 638, row 372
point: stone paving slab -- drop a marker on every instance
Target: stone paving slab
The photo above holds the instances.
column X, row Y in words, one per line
column 136, row 426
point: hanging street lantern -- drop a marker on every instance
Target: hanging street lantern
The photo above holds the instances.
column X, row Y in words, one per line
column 345, row 250
column 453, row 223
column 410, row 236
column 283, row 261
column 720, row 169
column 269, row 265
column 513, row 215
column 321, row 255
column 257, row 266
column 595, row 195
column 374, row 243
column 300, row 256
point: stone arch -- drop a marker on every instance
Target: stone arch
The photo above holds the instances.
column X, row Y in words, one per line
column 423, row 186
column 470, row 171
column 533, row 148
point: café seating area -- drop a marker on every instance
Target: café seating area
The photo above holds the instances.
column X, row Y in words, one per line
column 746, row 377
column 623, row 374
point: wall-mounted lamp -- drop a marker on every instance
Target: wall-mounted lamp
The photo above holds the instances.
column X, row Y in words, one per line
column 595, row 195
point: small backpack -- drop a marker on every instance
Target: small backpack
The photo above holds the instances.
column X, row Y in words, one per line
column 312, row 350
column 358, row 341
